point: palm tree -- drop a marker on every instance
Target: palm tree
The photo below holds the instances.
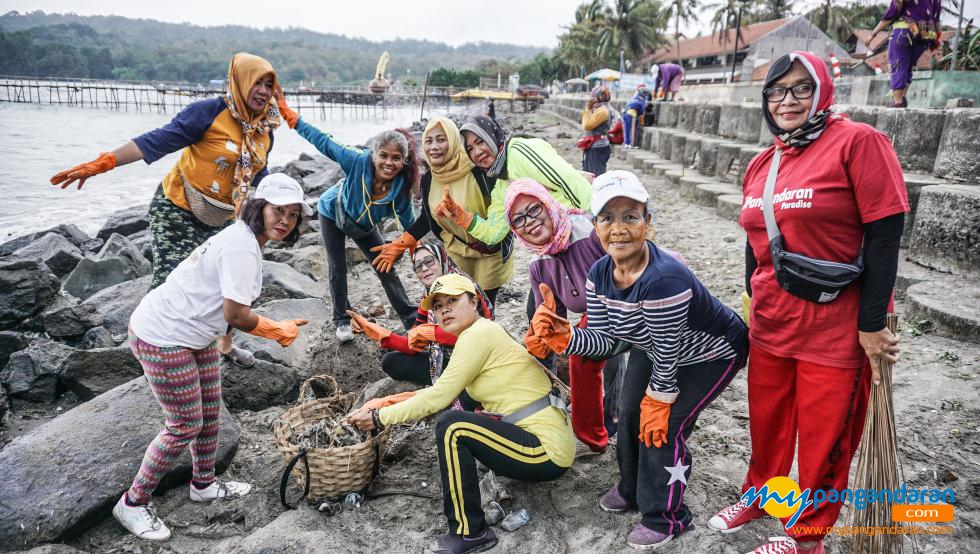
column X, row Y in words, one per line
column 773, row 9
column 723, row 19
column 633, row 26
column 681, row 9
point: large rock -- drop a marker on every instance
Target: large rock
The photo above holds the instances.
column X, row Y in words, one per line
column 60, row 255
column 314, row 310
column 282, row 281
column 310, row 261
column 256, row 388
column 26, row 286
column 10, row 342
column 958, row 156
column 126, row 222
column 69, row 231
column 64, row 476
column 33, row 373
column 118, row 261
column 946, row 234
column 96, row 337
column 4, row 405
column 89, row 373
column 117, row 303
column 71, row 320
column 915, row 135
column 118, row 246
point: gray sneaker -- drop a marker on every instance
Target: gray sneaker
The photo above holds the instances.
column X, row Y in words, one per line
column 141, row 521
column 345, row 333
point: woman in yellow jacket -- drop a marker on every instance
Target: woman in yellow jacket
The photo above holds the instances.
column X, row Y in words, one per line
column 452, row 175
column 520, row 436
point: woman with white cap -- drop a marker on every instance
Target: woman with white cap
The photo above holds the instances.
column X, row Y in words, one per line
column 521, row 435
column 687, row 347
column 173, row 332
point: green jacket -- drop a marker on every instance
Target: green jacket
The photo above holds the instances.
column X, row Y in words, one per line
column 538, row 160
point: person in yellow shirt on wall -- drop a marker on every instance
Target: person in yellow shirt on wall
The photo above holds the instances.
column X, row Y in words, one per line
column 520, row 435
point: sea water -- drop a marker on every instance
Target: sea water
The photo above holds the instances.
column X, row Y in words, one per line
column 43, row 140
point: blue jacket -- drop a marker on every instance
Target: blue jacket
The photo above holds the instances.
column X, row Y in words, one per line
column 638, row 103
column 355, row 189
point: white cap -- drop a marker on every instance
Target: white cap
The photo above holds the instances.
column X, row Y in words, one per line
column 613, row 184
column 282, row 190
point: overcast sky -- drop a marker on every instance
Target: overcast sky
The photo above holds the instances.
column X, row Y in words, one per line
column 525, row 22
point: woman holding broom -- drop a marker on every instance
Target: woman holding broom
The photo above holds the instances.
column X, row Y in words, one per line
column 835, row 192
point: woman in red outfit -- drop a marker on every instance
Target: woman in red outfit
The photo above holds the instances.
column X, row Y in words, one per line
column 838, row 190
column 420, row 356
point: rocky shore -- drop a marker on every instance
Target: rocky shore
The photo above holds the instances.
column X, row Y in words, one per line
column 75, row 413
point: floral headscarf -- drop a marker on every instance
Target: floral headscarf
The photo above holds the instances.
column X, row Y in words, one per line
column 558, row 214
column 244, row 70
column 601, row 93
column 494, row 136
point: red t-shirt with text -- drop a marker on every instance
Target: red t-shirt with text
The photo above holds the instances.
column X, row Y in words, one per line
column 824, row 194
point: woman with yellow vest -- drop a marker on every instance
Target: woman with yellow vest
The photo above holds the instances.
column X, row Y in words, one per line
column 225, row 143
column 519, row 436
column 452, row 175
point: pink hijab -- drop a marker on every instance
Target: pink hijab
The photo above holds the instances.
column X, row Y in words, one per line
column 558, row 214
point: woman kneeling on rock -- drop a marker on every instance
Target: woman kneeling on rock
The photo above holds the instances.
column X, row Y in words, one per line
column 422, row 355
column 531, row 442
column 173, row 331
column 687, row 347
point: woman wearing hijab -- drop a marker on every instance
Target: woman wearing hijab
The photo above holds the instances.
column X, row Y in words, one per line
column 529, row 439
column 837, row 194
column 687, row 347
column 669, row 77
column 915, row 28
column 452, row 175
column 504, row 159
column 378, row 183
column 420, row 356
column 225, row 144
column 565, row 247
column 598, row 119
column 632, row 116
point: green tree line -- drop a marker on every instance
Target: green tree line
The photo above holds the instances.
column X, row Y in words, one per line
column 68, row 45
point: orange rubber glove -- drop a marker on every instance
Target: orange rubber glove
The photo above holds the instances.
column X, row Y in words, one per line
column 653, row 422
column 288, row 115
column 373, row 331
column 284, row 332
column 449, row 209
column 547, row 325
column 421, row 335
column 391, row 251
column 105, row 162
column 386, row 401
column 535, row 345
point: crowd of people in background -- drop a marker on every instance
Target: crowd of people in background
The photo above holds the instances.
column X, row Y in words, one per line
column 652, row 348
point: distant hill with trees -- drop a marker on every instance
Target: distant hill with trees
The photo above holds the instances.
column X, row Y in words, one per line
column 112, row 47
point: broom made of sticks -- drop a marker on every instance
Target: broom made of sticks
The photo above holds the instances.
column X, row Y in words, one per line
column 879, row 467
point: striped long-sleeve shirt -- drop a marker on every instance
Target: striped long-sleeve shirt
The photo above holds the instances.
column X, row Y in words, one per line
column 667, row 313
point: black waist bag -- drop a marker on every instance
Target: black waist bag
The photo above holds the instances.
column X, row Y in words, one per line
column 811, row 279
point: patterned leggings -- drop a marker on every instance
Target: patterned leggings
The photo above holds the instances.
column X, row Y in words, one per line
column 187, row 384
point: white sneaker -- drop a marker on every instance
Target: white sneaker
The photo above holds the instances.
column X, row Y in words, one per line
column 141, row 521
column 344, row 333
column 219, row 490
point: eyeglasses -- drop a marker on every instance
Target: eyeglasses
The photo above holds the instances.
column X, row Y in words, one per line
column 521, row 219
column 424, row 263
column 801, row 91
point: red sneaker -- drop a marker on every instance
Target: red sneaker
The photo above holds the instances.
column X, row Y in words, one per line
column 734, row 517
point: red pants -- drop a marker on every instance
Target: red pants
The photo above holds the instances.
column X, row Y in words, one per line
column 822, row 406
column 586, row 384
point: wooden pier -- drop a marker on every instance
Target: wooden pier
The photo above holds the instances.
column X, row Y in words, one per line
column 319, row 102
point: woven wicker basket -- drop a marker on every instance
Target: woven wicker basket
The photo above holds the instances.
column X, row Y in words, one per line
column 333, row 471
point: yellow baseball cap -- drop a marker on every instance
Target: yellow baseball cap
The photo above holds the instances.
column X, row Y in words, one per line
column 451, row 284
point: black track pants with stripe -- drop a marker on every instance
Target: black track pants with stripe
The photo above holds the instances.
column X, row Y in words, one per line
column 508, row 450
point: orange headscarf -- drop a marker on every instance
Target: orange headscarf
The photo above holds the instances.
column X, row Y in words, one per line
column 244, row 70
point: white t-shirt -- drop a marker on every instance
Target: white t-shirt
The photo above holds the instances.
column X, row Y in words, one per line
column 186, row 310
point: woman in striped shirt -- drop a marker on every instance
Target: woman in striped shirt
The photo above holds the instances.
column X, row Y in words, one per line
column 687, row 347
